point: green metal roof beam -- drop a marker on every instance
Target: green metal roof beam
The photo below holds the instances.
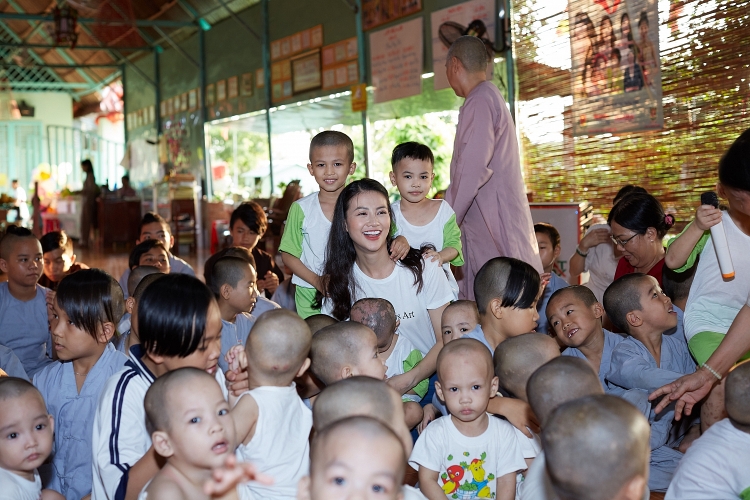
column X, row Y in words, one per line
column 78, row 47
column 111, row 78
column 63, row 66
column 109, row 22
column 62, row 86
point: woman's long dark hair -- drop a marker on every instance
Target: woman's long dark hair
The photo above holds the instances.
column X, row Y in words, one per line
column 338, row 272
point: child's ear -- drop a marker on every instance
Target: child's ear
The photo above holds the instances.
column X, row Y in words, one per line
column 496, row 308
column 439, row 390
column 72, row 259
column 225, row 291
column 634, row 319
column 352, row 168
column 347, row 372
column 51, row 423
column 303, row 488
column 494, row 385
column 392, row 177
column 162, row 445
column 598, row 310
column 310, row 168
column 3, row 265
column 108, row 331
column 171, row 241
column 720, row 190
column 130, row 305
column 303, row 368
column 556, row 252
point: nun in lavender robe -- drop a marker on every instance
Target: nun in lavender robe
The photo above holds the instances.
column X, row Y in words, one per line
column 487, row 191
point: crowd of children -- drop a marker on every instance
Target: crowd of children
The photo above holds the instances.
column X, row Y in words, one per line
column 379, row 383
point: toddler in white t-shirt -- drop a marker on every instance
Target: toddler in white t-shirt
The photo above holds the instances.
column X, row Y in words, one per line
column 26, row 442
column 469, row 450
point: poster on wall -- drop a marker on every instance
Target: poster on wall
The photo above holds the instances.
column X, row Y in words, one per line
column 340, row 66
column 377, row 12
column 193, row 99
column 232, row 88
column 449, row 24
column 616, row 70
column 396, row 58
column 221, row 90
column 306, row 72
column 260, row 78
column 210, row 94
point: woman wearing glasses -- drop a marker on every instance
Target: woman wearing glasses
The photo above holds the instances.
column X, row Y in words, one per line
column 639, row 224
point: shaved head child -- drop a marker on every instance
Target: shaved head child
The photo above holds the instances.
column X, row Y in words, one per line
column 23, row 309
column 647, row 359
column 468, row 450
column 716, row 465
column 358, row 457
column 596, row 448
column 558, row 381
column 26, row 438
column 344, row 350
column 273, row 424
column 575, row 316
column 398, row 353
column 308, row 385
column 190, row 426
column 234, row 285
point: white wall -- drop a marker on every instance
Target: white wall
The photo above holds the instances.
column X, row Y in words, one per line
column 50, row 108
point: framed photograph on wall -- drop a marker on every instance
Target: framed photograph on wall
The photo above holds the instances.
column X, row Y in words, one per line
column 163, row 108
column 232, row 90
column 176, row 103
column 306, row 72
column 193, row 99
column 246, row 86
column 221, row 90
column 260, row 78
column 184, row 102
column 151, row 114
column 210, row 94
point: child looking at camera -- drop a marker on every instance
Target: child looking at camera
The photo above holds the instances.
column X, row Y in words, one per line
column 87, row 307
column 179, row 325
column 468, row 450
column 422, row 220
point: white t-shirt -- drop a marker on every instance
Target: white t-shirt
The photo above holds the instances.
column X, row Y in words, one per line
column 434, row 232
column 306, row 235
column 14, row 487
column 715, row 467
column 601, row 264
column 411, row 307
column 404, row 357
column 714, row 303
column 411, row 493
column 471, row 463
column 280, row 446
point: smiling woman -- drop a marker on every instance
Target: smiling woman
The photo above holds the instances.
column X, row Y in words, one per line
column 638, row 225
column 358, row 265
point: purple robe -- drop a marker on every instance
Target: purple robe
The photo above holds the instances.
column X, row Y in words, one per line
column 487, row 191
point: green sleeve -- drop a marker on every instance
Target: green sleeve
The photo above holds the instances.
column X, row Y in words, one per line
column 696, row 250
column 452, row 238
column 291, row 241
column 410, row 362
column 394, row 229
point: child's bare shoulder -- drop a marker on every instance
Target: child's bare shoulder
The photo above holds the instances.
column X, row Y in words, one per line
column 164, row 486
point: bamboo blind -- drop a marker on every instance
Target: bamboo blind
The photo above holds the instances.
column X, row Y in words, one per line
column 705, row 56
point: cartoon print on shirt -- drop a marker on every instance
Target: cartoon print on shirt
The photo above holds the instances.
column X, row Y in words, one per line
column 478, row 487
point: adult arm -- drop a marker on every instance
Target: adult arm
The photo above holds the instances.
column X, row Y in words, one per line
column 473, row 156
column 681, row 251
column 691, row 389
column 577, row 263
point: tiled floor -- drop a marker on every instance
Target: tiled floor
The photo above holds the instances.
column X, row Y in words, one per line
column 116, row 261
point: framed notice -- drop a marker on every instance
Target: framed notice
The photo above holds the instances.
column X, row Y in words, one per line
column 221, row 90
column 232, row 87
column 306, row 72
column 184, row 102
column 377, row 12
column 193, row 99
column 163, row 108
column 176, row 103
column 246, row 85
column 210, row 89
column 151, row 114
column 170, row 109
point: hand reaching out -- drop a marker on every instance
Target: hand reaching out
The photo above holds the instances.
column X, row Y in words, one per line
column 236, row 358
column 433, row 255
column 231, row 475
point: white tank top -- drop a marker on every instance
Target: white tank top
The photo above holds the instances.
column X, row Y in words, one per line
column 280, row 446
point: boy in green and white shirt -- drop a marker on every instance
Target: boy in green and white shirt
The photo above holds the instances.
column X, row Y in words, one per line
column 399, row 352
column 422, row 220
column 305, row 238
